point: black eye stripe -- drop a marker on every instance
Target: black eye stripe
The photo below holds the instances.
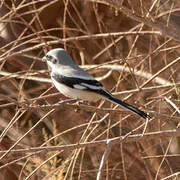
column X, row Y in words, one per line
column 48, row 57
column 51, row 58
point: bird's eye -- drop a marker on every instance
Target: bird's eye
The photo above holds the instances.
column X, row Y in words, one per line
column 51, row 58
column 48, row 57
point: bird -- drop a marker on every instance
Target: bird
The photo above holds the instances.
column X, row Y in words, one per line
column 73, row 82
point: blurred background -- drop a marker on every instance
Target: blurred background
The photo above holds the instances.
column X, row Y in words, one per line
column 131, row 47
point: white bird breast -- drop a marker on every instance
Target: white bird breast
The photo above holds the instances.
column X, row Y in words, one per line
column 76, row 93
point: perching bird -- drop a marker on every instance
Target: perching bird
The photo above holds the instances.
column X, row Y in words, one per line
column 74, row 82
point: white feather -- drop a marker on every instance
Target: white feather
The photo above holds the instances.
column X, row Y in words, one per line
column 91, row 86
column 77, row 86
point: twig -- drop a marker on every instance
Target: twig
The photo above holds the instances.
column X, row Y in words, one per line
column 165, row 30
column 172, row 104
column 14, row 75
column 77, row 38
column 172, row 176
column 140, row 73
column 124, row 139
column 11, row 148
column 103, row 160
column 74, row 106
column 145, row 89
column 11, row 123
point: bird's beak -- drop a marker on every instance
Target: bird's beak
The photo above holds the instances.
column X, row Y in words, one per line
column 44, row 59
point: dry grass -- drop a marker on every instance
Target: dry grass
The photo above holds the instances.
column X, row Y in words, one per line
column 132, row 47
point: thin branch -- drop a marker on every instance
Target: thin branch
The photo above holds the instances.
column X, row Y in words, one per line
column 172, row 176
column 11, row 123
column 172, row 104
column 145, row 89
column 26, row 76
column 19, row 140
column 140, row 73
column 165, row 30
column 77, row 38
column 103, row 160
column 116, row 140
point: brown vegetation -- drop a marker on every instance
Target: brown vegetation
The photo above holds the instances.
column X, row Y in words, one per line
column 132, row 47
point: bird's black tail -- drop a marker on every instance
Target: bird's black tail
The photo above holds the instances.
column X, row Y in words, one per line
column 128, row 106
